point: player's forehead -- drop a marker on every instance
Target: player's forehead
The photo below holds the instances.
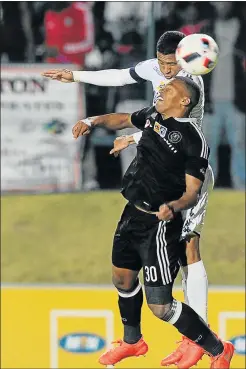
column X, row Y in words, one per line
column 169, row 58
column 178, row 85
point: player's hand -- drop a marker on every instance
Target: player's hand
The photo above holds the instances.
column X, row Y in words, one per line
column 120, row 143
column 80, row 129
column 62, row 75
column 164, row 213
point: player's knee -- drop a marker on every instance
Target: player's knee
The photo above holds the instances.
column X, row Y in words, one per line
column 160, row 311
column 122, row 283
column 159, row 299
column 124, row 279
column 192, row 250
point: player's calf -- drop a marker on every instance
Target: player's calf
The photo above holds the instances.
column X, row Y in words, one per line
column 130, row 303
column 188, row 322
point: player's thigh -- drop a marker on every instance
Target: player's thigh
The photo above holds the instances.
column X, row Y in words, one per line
column 161, row 253
column 124, row 255
column 125, row 258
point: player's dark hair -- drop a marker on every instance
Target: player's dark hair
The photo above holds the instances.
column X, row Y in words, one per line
column 193, row 89
column 168, row 42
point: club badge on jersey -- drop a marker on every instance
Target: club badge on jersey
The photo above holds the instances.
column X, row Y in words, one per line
column 174, row 136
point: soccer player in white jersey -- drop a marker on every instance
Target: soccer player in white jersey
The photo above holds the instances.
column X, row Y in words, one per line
column 160, row 71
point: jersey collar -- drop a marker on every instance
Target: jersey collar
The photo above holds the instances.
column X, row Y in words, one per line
column 191, row 120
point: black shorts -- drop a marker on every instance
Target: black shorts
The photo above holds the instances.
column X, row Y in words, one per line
column 142, row 241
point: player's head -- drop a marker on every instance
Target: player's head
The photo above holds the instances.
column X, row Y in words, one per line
column 178, row 97
column 166, row 47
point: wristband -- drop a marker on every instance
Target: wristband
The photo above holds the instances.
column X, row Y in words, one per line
column 76, row 76
column 87, row 121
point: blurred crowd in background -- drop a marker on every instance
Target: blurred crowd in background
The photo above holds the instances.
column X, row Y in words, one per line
column 104, row 35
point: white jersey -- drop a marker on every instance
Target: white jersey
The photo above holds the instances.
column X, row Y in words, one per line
column 149, row 71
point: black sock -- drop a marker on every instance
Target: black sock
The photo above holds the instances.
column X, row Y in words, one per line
column 130, row 304
column 191, row 325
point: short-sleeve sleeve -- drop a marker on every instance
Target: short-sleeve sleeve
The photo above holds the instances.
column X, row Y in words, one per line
column 142, row 71
column 139, row 117
column 197, row 153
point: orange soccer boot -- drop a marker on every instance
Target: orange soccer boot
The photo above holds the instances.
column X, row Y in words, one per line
column 223, row 360
column 123, row 351
column 185, row 356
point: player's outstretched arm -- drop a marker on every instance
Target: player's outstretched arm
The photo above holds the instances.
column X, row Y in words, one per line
column 109, row 77
column 110, row 121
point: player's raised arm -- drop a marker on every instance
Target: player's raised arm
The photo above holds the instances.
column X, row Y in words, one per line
column 108, row 77
column 115, row 121
column 110, row 121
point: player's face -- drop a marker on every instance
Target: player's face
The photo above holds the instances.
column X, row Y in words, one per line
column 172, row 95
column 168, row 96
column 168, row 65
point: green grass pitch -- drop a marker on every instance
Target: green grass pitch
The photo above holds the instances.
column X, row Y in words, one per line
column 66, row 238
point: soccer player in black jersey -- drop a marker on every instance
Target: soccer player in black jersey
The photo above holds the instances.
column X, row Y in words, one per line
column 164, row 179
column 160, row 71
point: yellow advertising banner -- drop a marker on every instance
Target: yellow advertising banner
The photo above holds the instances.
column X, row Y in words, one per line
column 70, row 327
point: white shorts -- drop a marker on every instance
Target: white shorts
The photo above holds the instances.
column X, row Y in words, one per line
column 194, row 217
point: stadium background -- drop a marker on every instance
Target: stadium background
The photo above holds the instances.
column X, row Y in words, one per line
column 60, row 200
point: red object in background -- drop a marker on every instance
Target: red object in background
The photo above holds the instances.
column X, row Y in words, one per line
column 189, row 29
column 71, row 31
column 124, row 49
column 244, row 64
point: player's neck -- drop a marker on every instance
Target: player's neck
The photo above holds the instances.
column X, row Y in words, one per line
column 175, row 113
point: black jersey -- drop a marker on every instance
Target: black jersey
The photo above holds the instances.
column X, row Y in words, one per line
column 169, row 149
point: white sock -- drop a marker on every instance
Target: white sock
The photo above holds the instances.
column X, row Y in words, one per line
column 197, row 289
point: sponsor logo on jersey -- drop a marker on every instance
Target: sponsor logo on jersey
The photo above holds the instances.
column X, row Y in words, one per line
column 147, row 124
column 157, row 90
column 175, row 136
column 157, row 69
column 83, row 343
column 157, row 127
column 161, row 130
column 161, row 85
column 157, row 94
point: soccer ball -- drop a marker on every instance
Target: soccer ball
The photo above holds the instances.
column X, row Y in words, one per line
column 197, row 54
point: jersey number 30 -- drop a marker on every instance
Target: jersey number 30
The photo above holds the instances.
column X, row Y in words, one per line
column 150, row 274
